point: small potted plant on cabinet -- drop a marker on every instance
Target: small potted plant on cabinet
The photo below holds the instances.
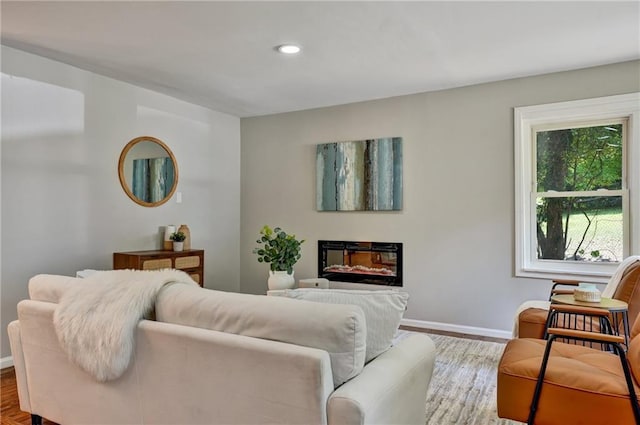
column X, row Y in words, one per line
column 281, row 251
column 178, row 240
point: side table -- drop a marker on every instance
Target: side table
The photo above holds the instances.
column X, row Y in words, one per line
column 618, row 310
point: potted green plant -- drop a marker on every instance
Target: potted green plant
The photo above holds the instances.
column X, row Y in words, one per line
column 178, row 240
column 281, row 251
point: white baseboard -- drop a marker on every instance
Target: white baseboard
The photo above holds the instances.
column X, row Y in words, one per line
column 461, row 329
column 6, row 362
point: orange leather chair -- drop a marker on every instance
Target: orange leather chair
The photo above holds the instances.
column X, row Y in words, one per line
column 555, row 383
column 532, row 321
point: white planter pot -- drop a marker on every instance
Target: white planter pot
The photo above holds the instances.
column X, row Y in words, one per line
column 280, row 280
column 178, row 246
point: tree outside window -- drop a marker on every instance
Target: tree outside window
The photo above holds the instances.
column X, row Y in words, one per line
column 572, row 222
column 577, row 187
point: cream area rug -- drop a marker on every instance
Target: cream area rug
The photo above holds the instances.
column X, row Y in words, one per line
column 463, row 387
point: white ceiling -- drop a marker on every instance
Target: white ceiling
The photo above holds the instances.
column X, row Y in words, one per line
column 220, row 54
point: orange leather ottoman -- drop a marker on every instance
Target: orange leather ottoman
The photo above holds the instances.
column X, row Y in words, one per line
column 579, row 400
column 531, row 323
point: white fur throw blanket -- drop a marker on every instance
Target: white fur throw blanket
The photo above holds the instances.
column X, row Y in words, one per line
column 96, row 320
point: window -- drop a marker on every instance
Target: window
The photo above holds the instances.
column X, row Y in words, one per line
column 577, row 187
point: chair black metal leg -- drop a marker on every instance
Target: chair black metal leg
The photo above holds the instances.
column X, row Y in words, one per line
column 536, row 392
column 625, row 323
column 36, row 420
column 551, row 318
column 627, row 375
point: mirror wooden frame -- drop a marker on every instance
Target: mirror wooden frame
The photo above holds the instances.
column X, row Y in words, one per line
column 123, row 181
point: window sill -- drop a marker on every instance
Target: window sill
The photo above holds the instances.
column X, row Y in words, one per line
column 593, row 277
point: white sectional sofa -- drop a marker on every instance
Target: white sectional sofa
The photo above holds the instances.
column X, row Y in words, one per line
column 212, row 357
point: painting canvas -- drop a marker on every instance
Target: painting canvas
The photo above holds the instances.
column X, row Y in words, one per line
column 152, row 178
column 363, row 175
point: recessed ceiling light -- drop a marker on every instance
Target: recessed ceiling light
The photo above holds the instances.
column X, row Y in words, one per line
column 289, row 49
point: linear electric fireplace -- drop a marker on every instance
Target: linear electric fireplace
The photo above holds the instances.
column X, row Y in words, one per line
column 378, row 263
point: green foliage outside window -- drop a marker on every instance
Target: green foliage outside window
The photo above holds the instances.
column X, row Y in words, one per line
column 578, row 160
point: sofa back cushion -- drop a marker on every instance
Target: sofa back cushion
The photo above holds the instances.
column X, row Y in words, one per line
column 338, row 329
column 628, row 290
column 50, row 287
column 633, row 354
column 383, row 311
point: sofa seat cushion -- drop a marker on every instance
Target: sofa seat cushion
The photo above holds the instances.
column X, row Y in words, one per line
column 338, row 329
column 383, row 310
column 580, row 382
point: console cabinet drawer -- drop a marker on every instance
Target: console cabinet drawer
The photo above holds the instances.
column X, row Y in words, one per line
column 190, row 261
column 164, row 263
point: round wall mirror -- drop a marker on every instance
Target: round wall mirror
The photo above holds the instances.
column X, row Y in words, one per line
column 148, row 171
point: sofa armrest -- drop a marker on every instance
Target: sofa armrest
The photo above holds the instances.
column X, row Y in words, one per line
column 391, row 389
column 568, row 282
column 562, row 282
column 15, row 341
column 586, row 335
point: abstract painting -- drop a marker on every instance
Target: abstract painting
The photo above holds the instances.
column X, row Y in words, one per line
column 363, row 175
column 152, row 178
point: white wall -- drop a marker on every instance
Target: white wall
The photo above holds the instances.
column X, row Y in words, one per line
column 458, row 217
column 63, row 209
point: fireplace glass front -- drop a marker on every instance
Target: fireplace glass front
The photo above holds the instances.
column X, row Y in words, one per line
column 378, row 263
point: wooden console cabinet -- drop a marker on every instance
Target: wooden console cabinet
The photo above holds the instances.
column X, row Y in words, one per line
column 190, row 261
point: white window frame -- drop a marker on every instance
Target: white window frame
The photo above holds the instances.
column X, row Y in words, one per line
column 529, row 119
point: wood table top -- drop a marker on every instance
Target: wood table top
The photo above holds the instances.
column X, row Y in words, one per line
column 606, row 303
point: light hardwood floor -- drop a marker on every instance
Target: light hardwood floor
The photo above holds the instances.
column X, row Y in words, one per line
column 10, row 413
column 455, row 334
